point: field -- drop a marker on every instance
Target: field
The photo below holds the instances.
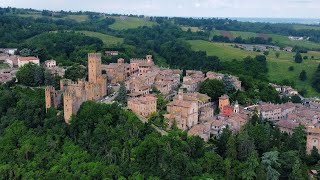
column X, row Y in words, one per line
column 107, row 39
column 130, row 23
column 277, row 39
column 278, row 67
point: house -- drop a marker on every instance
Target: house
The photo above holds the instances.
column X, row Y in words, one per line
column 25, row 60
column 144, row 105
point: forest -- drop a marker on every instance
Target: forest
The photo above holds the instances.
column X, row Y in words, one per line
column 107, row 142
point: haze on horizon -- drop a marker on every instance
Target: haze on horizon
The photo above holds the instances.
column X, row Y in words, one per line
column 182, row 8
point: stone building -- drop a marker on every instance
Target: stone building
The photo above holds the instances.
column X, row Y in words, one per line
column 25, row 60
column 223, row 102
column 75, row 93
column 7, row 74
column 121, row 71
column 313, row 138
column 51, row 66
column 50, row 63
column 236, row 83
column 144, row 105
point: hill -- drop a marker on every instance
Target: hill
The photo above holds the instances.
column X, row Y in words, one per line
column 78, row 18
column 278, row 67
column 129, row 22
column 279, row 40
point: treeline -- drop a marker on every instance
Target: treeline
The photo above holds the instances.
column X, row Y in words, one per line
column 234, row 25
column 240, row 40
column 107, row 142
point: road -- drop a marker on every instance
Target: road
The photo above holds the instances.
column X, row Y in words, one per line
column 109, row 98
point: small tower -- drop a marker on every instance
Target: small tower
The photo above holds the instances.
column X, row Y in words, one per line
column 236, row 108
column 223, row 101
column 48, row 97
column 120, row 61
column 94, row 66
column 149, row 59
column 180, row 94
column 67, row 106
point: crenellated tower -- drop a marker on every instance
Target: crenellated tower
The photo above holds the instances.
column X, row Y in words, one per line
column 94, row 66
column 67, row 106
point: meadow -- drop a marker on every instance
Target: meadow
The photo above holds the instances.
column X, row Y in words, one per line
column 278, row 67
column 108, row 40
column 130, row 23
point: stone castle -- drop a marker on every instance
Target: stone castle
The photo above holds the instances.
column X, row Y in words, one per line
column 76, row 93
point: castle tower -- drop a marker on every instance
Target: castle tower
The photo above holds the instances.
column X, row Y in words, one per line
column 149, row 59
column 67, row 106
column 48, row 97
column 223, row 101
column 94, row 66
column 120, row 61
column 180, row 94
column 236, row 108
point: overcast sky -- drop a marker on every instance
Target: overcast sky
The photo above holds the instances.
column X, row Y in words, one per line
column 189, row 8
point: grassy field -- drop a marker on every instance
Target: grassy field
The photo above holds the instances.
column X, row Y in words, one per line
column 107, row 39
column 130, row 23
column 277, row 39
column 278, row 67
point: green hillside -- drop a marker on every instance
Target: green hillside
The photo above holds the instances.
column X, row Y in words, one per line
column 277, row 39
column 278, row 67
column 107, row 39
column 130, row 23
column 78, row 18
column 303, row 27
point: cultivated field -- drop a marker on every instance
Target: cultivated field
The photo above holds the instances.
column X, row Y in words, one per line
column 278, row 67
column 78, row 18
column 193, row 29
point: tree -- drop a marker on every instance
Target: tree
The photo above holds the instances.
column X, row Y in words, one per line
column 296, row 99
column 75, row 72
column 231, row 148
column 227, row 81
column 266, row 53
column 305, row 57
column 316, row 79
column 303, row 75
column 245, row 146
column 31, row 75
column 277, row 54
column 296, row 171
column 122, row 94
column 248, row 168
column 291, row 68
column 298, row 58
column 213, row 88
column 270, row 162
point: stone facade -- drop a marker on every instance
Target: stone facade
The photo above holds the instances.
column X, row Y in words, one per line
column 144, row 105
column 75, row 93
column 223, row 102
column 7, row 74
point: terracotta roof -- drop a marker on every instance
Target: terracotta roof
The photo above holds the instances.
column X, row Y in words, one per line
column 27, row 58
column 287, row 124
column 224, row 97
column 186, row 104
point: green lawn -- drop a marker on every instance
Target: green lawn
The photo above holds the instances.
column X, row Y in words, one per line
column 278, row 67
column 107, row 39
column 130, row 23
column 277, row 39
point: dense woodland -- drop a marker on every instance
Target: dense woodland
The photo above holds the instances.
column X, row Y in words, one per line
column 108, row 142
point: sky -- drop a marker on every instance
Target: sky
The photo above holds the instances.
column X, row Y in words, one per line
column 182, row 8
